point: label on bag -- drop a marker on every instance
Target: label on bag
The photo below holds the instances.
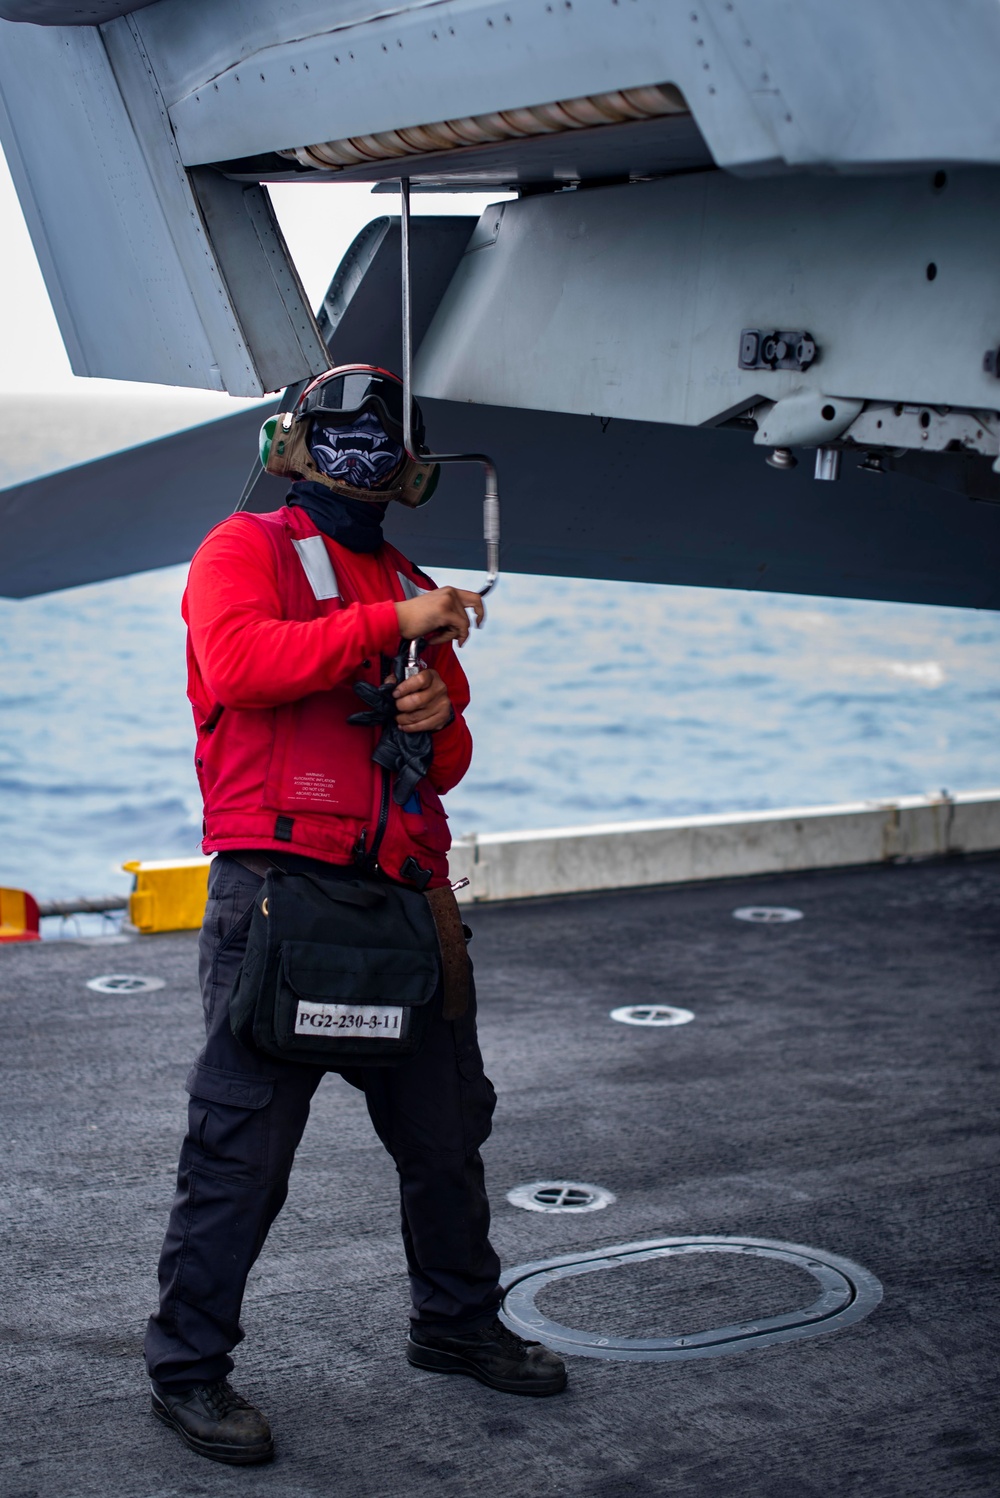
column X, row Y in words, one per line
column 366, row 1021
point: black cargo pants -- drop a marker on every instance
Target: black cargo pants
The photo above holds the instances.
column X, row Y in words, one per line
column 246, row 1117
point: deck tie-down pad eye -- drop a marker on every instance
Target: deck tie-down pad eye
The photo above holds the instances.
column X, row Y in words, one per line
column 848, row 1293
column 560, row 1196
column 124, row 983
column 767, row 915
column 654, row 1015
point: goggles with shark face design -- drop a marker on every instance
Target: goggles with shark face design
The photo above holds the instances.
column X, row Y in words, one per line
column 341, row 394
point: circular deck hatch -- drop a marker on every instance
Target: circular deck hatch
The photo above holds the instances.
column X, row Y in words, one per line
column 847, row 1293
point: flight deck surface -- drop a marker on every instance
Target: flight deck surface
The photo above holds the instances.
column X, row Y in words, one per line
column 837, row 1088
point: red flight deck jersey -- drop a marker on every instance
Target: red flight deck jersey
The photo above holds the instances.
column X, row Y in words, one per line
column 281, row 622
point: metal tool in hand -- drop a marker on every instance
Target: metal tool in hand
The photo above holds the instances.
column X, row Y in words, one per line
column 414, row 664
column 407, row 755
column 491, row 495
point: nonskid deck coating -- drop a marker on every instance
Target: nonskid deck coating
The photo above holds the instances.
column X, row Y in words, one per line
column 837, row 1088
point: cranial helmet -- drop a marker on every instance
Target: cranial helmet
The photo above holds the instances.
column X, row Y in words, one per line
column 346, row 432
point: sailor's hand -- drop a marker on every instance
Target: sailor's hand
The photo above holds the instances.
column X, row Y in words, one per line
column 422, row 703
column 439, row 615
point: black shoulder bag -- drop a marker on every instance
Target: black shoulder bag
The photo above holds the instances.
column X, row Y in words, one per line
column 338, row 972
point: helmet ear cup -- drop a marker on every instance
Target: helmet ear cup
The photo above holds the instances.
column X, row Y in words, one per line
column 283, row 450
column 415, row 484
column 266, row 439
column 425, row 481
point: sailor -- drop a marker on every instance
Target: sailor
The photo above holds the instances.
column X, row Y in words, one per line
column 286, row 612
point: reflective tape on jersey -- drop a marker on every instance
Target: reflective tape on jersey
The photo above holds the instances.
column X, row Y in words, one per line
column 317, row 566
column 409, row 587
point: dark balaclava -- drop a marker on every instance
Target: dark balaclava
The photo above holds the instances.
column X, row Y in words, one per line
column 360, row 454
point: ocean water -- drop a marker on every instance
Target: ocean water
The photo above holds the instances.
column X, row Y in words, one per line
column 592, row 701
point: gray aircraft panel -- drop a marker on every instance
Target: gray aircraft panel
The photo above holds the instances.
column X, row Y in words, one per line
column 242, row 283
column 194, row 42
column 419, row 63
column 141, row 289
column 854, row 85
column 157, row 275
column 771, row 84
column 93, row 214
column 58, row 13
column 635, row 501
column 629, row 301
column 865, row 85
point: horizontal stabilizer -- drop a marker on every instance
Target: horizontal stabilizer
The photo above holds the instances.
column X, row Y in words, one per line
column 146, row 507
column 581, row 497
column 643, row 502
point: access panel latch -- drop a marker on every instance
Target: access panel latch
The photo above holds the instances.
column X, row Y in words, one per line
column 760, row 349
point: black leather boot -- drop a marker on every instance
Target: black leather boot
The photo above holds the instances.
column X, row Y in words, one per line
column 216, row 1422
column 494, row 1355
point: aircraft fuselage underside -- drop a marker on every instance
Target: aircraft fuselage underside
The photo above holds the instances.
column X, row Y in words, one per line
column 777, row 219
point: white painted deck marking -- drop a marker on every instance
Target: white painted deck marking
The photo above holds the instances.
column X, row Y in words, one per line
column 124, row 983
column 652, row 1014
column 767, row 915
